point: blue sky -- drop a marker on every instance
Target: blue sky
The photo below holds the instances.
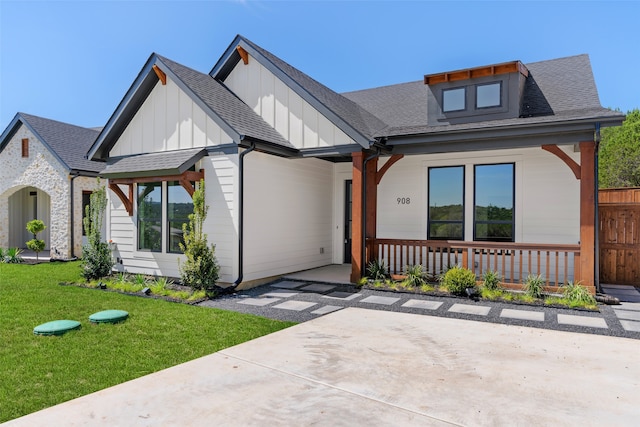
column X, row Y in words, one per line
column 73, row 61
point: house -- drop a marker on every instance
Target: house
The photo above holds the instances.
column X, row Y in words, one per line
column 492, row 167
column 44, row 175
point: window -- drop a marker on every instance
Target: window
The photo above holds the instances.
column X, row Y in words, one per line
column 446, row 203
column 150, row 217
column 25, row 147
column 86, row 201
column 179, row 206
column 494, row 218
column 454, row 99
column 488, row 95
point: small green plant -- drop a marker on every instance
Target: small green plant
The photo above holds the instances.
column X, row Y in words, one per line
column 12, row 256
column 139, row 279
column 578, row 295
column 491, row 280
column 201, row 269
column 37, row 245
column 363, row 281
column 377, row 270
column 415, row 276
column 96, row 255
column 457, row 279
column 534, row 286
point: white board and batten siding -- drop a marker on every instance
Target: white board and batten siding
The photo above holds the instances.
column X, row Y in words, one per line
column 168, row 120
column 289, row 114
column 288, row 215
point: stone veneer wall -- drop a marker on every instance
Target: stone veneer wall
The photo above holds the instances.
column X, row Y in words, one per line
column 40, row 170
column 80, row 184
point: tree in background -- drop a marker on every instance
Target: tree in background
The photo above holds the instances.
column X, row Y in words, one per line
column 37, row 245
column 619, row 162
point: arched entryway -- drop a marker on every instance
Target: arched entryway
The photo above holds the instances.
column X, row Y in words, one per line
column 24, row 205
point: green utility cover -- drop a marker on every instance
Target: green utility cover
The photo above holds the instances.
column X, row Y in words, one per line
column 109, row 316
column 56, row 327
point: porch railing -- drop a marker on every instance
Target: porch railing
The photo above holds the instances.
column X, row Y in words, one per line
column 514, row 261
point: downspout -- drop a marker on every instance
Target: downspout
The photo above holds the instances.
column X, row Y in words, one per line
column 241, row 214
column 364, row 211
column 597, row 215
column 73, row 177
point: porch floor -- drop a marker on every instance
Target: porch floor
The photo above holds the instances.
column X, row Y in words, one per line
column 334, row 273
column 30, row 255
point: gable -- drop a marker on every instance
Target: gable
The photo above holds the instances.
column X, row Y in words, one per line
column 282, row 108
column 168, row 120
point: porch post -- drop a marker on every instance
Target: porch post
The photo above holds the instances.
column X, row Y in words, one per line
column 357, row 159
column 587, row 215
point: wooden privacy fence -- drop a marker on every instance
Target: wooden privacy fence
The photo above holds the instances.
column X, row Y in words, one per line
column 619, row 235
column 514, row 261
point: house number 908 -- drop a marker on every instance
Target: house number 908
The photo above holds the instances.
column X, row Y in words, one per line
column 404, row 200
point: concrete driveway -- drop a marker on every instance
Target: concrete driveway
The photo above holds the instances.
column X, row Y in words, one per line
column 371, row 367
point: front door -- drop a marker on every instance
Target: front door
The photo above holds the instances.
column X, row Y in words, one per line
column 347, row 221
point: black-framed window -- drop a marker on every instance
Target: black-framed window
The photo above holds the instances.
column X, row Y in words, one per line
column 86, row 201
column 150, row 217
column 494, row 202
column 446, row 203
column 489, row 95
column 179, row 206
column 454, row 99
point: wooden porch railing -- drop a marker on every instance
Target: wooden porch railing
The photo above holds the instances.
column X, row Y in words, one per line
column 557, row 264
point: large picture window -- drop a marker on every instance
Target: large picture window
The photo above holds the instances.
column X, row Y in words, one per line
column 446, row 203
column 154, row 200
column 494, row 218
column 150, row 217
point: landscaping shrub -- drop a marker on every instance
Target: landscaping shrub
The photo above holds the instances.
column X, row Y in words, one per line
column 201, row 269
column 534, row 286
column 377, row 270
column 11, row 256
column 34, row 227
column 457, row 279
column 96, row 255
column 578, row 294
column 491, row 280
column 415, row 275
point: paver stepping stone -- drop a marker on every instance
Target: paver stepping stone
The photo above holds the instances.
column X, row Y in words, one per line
column 537, row 316
column 631, row 306
column 109, row 316
column 478, row 310
column 627, row 314
column 280, row 294
column 373, row 299
column 426, row 305
column 347, row 296
column 295, row 305
column 260, row 302
column 630, row 325
column 56, row 327
column 288, row 285
column 590, row 322
column 316, row 287
column 326, row 309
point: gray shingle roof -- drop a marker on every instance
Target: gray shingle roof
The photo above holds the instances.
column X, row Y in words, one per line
column 363, row 121
column 151, row 164
column 228, row 106
column 69, row 142
column 557, row 90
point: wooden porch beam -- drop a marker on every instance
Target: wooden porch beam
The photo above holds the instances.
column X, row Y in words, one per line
column 126, row 201
column 554, row 149
column 357, row 270
column 161, row 75
column 392, row 160
column 243, row 54
column 587, row 213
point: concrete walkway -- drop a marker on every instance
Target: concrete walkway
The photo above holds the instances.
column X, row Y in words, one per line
column 374, row 367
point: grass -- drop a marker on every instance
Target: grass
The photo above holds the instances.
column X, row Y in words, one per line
column 38, row 372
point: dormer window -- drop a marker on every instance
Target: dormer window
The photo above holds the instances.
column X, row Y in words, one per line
column 488, row 95
column 454, row 99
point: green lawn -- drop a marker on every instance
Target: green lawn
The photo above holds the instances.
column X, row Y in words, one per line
column 38, row 371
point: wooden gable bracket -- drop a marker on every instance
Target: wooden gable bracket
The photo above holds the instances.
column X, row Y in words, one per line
column 161, row 75
column 392, row 160
column 554, row 149
column 243, row 54
column 185, row 179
